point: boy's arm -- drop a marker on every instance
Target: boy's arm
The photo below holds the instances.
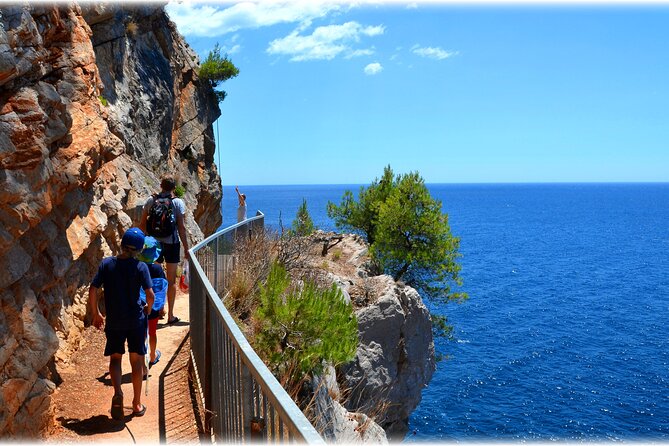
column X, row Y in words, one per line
column 98, row 320
column 150, row 298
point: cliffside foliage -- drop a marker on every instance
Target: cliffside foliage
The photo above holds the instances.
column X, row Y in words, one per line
column 408, row 234
column 292, row 322
column 303, row 224
column 217, row 69
column 302, row 326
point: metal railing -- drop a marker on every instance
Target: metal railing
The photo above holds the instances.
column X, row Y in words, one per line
column 243, row 400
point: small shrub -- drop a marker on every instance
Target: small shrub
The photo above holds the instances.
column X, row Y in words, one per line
column 303, row 225
column 103, row 101
column 240, row 299
column 336, row 255
column 180, row 191
column 217, row 69
column 302, row 326
column 131, row 28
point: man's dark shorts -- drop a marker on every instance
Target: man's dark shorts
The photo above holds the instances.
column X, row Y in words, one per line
column 136, row 340
column 170, row 253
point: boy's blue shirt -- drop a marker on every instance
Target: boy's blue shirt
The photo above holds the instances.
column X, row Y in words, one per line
column 156, row 271
column 122, row 280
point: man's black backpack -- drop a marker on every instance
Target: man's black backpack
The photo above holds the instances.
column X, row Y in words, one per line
column 162, row 219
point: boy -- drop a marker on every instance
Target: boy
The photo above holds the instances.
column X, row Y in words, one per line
column 122, row 276
column 149, row 255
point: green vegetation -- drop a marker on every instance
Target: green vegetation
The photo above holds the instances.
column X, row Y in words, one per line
column 179, row 191
column 362, row 216
column 408, row 234
column 303, row 325
column 303, row 224
column 103, row 101
column 217, row 69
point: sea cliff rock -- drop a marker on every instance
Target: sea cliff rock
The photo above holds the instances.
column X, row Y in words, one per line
column 395, row 356
column 96, row 103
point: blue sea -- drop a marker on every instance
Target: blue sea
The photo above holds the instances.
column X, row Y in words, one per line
column 566, row 332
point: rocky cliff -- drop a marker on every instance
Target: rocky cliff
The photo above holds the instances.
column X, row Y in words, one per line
column 96, row 103
column 395, row 356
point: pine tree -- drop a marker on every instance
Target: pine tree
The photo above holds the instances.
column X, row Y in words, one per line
column 303, row 224
column 302, row 326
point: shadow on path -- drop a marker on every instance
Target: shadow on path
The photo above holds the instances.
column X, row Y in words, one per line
column 97, row 424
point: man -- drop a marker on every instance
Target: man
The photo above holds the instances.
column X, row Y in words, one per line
column 170, row 242
column 126, row 315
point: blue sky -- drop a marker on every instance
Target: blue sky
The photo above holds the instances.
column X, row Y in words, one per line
column 330, row 93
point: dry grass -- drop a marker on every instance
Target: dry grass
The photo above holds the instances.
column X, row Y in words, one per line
column 131, row 28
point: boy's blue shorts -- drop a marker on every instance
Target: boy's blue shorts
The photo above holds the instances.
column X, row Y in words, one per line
column 136, row 338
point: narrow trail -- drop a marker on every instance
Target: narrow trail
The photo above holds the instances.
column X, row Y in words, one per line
column 83, row 400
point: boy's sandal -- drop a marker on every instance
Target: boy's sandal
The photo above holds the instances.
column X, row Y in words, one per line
column 173, row 321
column 117, row 407
column 140, row 412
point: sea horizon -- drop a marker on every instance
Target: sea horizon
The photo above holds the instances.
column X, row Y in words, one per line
column 519, row 183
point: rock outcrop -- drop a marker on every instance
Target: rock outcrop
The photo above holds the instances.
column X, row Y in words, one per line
column 96, row 103
column 395, row 356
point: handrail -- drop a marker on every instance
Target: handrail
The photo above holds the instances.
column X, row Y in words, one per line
column 245, row 400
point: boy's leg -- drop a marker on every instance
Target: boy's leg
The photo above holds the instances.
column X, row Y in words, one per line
column 137, row 349
column 137, row 364
column 115, row 373
column 153, row 338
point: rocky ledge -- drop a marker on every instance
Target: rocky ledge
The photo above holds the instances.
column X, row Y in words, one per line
column 371, row 398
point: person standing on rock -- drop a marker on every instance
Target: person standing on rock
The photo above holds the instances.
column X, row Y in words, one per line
column 163, row 217
column 241, row 210
column 122, row 277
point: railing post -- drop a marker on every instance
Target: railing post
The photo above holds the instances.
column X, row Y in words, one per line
column 216, row 267
column 208, row 394
column 247, row 402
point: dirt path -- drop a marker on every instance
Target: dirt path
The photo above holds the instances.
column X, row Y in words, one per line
column 83, row 400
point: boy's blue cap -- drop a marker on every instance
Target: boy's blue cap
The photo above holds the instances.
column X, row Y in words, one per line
column 151, row 250
column 133, row 238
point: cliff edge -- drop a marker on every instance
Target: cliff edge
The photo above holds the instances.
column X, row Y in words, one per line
column 394, row 360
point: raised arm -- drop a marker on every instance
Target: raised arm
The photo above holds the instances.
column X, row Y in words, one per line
column 240, row 197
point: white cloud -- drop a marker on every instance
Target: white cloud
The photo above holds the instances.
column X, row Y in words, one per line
column 433, row 53
column 232, row 50
column 326, row 42
column 412, row 5
column 210, row 21
column 361, row 52
column 373, row 68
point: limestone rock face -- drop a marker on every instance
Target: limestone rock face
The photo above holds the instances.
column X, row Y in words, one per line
column 334, row 422
column 96, row 103
column 395, row 356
